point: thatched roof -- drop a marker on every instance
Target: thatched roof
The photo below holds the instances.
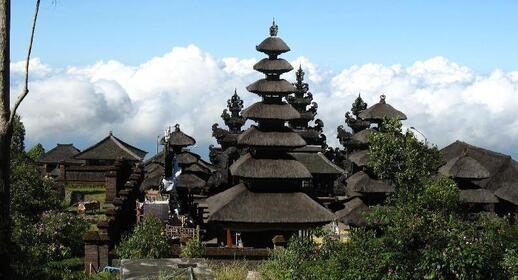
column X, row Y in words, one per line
column 361, row 137
column 111, row 148
column 262, row 111
column 273, row 45
column 361, row 182
column 61, row 153
column 360, row 157
column 308, row 115
column 179, row 139
column 257, row 137
column 508, row 192
column 190, row 181
column 285, row 167
column 275, row 87
column 464, row 167
column 197, row 168
column 381, row 110
column 317, row 163
column 503, row 171
column 185, row 158
column 274, row 66
column 308, row 149
column 240, row 205
column 153, row 176
column 352, row 214
column 477, row 196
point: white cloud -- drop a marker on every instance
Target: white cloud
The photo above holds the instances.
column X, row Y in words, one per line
column 443, row 99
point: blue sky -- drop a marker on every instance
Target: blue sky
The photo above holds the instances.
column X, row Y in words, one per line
column 135, row 67
column 479, row 34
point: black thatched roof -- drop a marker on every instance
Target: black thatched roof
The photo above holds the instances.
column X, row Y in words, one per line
column 361, row 137
column 503, row 171
column 239, row 205
column 273, row 66
column 273, row 45
column 153, row 176
column 477, row 196
column 308, row 115
column 361, row 182
column 464, row 167
column 508, row 193
column 185, row 158
column 197, row 168
column 61, row 153
column 353, row 211
column 285, row 167
column 360, row 157
column 179, row 139
column 257, row 137
column 264, row 111
column 111, row 148
column 275, row 87
column 317, row 163
column 381, row 110
column 190, row 181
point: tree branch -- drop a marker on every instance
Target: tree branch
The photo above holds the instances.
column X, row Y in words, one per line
column 25, row 89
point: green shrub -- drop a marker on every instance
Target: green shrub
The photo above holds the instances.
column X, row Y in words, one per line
column 148, row 240
column 192, row 249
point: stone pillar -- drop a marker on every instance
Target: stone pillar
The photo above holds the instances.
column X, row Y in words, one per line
column 96, row 251
column 62, row 172
column 111, row 181
column 91, row 259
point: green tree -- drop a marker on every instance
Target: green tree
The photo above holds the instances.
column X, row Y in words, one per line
column 36, row 152
column 148, row 240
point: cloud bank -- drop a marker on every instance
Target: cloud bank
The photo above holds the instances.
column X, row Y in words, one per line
column 444, row 100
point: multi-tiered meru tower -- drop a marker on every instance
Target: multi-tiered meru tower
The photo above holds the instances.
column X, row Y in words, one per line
column 303, row 102
column 270, row 199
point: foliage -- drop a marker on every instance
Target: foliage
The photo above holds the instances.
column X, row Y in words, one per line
column 510, row 262
column 148, row 240
column 303, row 259
column 18, row 138
column 46, row 240
column 421, row 232
column 56, row 236
column 36, row 152
column 399, row 157
column 192, row 249
column 31, row 195
column 235, row 270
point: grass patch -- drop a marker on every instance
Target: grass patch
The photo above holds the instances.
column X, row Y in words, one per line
column 235, row 270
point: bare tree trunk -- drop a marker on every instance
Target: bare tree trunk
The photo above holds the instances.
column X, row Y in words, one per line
column 5, row 141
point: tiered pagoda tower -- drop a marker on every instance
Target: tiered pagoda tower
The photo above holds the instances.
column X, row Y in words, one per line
column 234, row 121
column 228, row 152
column 270, row 199
column 194, row 172
column 361, row 188
column 300, row 101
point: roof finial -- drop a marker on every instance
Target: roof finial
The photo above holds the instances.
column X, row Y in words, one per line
column 382, row 98
column 274, row 28
column 235, row 91
column 300, row 74
column 177, row 127
column 111, row 133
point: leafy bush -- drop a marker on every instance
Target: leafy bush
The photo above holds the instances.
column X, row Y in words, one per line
column 57, row 236
column 36, row 152
column 148, row 240
column 31, row 195
column 421, row 231
column 192, row 249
